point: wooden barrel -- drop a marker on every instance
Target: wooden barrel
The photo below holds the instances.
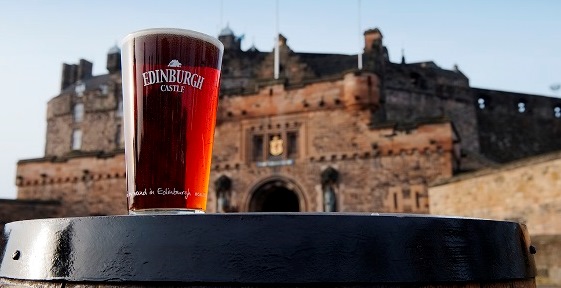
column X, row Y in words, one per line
column 267, row 250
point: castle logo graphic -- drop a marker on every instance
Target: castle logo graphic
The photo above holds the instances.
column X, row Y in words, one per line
column 174, row 63
column 173, row 78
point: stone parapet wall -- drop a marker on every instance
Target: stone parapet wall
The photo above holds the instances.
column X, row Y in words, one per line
column 528, row 191
column 84, row 186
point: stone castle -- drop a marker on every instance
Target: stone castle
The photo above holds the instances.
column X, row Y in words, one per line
column 384, row 138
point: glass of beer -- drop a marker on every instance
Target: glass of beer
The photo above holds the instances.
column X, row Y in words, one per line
column 171, row 80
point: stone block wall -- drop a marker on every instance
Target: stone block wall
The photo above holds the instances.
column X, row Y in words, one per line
column 526, row 191
column 412, row 106
column 514, row 126
column 367, row 183
column 17, row 210
column 351, row 91
column 86, row 185
column 423, row 90
column 548, row 260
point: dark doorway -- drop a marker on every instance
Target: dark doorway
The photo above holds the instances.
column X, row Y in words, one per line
column 274, row 197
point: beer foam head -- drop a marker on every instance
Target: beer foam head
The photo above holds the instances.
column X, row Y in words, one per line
column 176, row 32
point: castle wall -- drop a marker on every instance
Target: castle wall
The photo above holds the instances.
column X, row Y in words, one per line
column 86, row 185
column 509, row 132
column 413, row 106
column 369, row 182
column 383, row 169
column 350, row 91
column 527, row 191
column 418, row 91
column 17, row 210
column 547, row 259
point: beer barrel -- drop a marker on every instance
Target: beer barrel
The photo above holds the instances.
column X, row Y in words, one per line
column 267, row 250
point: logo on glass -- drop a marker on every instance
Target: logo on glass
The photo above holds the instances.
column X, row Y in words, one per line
column 173, row 80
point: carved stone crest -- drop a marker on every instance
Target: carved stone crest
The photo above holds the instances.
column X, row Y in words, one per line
column 276, row 146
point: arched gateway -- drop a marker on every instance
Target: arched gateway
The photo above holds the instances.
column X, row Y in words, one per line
column 276, row 195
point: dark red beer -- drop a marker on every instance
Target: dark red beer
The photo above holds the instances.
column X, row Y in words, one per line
column 171, row 80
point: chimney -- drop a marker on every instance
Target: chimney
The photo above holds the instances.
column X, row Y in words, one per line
column 72, row 73
column 84, row 69
column 69, row 73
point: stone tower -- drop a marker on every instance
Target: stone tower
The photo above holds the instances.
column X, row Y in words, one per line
column 230, row 41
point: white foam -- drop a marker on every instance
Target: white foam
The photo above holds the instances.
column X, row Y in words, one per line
column 174, row 31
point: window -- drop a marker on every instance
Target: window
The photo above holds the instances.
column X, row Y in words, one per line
column 557, row 111
column 521, row 107
column 76, row 139
column 481, row 103
column 104, row 89
column 257, row 148
column 417, row 80
column 119, row 136
column 292, row 144
column 78, row 112
column 119, row 112
column 80, row 88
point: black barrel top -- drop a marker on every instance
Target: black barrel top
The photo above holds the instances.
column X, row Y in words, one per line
column 267, row 248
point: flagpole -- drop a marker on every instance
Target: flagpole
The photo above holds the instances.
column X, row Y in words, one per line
column 277, row 56
column 221, row 14
column 359, row 38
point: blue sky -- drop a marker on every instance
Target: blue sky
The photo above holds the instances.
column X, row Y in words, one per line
column 510, row 45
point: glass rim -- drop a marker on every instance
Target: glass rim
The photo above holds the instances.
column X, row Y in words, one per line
column 174, row 31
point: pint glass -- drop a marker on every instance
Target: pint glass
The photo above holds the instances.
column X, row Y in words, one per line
column 171, row 80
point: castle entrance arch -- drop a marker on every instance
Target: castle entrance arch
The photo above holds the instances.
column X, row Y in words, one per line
column 276, row 195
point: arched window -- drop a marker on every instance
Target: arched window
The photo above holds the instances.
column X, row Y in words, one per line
column 329, row 181
column 223, row 187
